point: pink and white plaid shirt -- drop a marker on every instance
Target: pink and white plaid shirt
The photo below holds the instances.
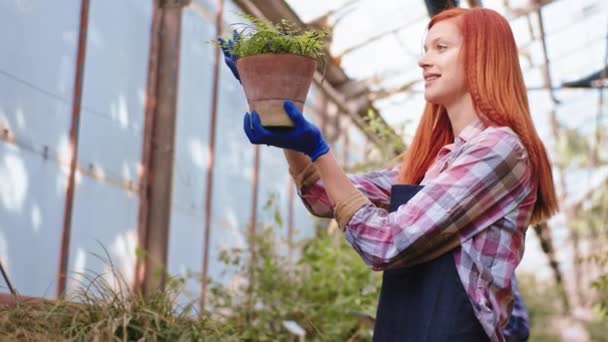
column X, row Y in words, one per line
column 479, row 193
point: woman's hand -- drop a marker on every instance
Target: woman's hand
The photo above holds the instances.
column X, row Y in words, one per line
column 229, row 58
column 303, row 137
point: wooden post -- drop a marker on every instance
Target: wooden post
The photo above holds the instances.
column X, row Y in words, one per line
column 158, row 146
column 211, row 150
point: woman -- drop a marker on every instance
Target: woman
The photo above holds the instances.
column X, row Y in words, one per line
column 449, row 253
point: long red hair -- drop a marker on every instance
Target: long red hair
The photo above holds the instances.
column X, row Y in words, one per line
column 496, row 85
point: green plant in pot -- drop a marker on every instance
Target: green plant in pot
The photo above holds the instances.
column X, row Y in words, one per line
column 273, row 63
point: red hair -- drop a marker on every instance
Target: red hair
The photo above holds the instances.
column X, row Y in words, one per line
column 495, row 82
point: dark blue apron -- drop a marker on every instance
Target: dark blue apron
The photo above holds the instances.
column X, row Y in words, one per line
column 426, row 302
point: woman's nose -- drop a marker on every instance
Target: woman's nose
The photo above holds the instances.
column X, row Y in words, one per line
column 423, row 61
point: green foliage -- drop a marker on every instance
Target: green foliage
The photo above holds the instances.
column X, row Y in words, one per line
column 598, row 326
column 601, row 285
column 377, row 126
column 590, row 222
column 573, row 148
column 543, row 303
column 392, row 143
column 260, row 37
column 318, row 292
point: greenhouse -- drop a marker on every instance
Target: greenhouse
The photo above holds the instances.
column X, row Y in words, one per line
column 145, row 195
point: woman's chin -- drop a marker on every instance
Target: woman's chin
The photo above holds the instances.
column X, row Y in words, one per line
column 431, row 98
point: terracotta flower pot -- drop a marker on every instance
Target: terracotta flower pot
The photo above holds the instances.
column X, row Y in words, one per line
column 269, row 79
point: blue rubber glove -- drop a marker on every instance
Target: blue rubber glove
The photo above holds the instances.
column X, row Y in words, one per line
column 303, row 137
column 229, row 58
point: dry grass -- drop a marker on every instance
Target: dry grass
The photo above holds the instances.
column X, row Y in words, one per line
column 101, row 311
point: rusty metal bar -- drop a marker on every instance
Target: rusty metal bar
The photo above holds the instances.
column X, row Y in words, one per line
column 254, row 218
column 210, row 152
column 474, row 3
column 547, row 68
column 159, row 139
column 595, row 157
column 346, row 147
column 254, row 196
column 555, row 132
column 514, row 13
column 6, row 279
column 546, row 244
column 73, row 149
column 290, row 218
column 7, row 136
column 8, row 300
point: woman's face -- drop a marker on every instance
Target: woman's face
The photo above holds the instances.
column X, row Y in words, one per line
column 442, row 67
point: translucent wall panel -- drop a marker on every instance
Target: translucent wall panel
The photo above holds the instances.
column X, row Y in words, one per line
column 36, row 77
column 115, row 86
column 274, row 183
column 115, row 78
column 357, row 145
column 233, row 158
column 191, row 144
column 31, row 212
column 104, row 233
column 233, row 181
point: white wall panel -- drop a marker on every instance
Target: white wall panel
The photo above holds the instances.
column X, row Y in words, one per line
column 115, row 85
column 31, row 211
column 191, row 143
column 37, row 66
column 233, row 181
column 38, row 43
column 115, row 76
column 231, row 203
column 104, row 221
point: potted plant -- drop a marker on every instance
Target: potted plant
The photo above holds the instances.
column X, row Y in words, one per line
column 274, row 63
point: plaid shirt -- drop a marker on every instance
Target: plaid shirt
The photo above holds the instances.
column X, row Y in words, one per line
column 478, row 193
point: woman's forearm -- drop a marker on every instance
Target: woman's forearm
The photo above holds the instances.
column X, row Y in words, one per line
column 338, row 197
column 344, row 196
column 297, row 161
column 337, row 185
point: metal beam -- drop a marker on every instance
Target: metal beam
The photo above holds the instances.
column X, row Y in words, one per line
column 145, row 169
column 435, row 6
column 568, row 211
column 73, row 150
column 290, row 219
column 514, row 13
column 588, row 81
column 158, row 149
column 254, row 219
column 6, row 279
column 543, row 232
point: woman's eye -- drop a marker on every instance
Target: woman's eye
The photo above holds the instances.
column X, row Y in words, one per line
column 441, row 47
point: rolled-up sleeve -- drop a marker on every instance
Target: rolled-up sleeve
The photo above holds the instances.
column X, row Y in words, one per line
column 373, row 187
column 439, row 217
